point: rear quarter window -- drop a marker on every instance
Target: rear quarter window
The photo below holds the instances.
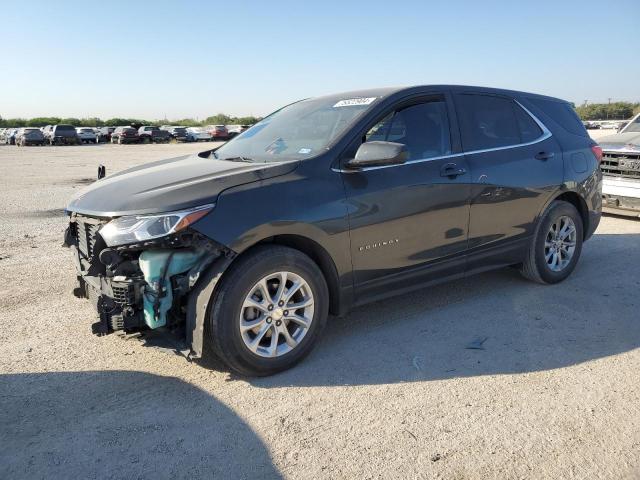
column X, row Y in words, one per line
column 563, row 114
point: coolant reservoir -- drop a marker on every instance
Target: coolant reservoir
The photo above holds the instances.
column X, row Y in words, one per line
column 158, row 266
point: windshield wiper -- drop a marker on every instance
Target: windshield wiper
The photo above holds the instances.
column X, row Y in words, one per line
column 239, row 159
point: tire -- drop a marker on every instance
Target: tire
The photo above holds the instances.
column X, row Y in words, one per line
column 536, row 267
column 228, row 304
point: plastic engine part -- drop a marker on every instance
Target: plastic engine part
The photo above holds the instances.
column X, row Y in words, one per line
column 158, row 266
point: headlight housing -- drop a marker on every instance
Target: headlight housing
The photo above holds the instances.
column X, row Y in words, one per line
column 139, row 228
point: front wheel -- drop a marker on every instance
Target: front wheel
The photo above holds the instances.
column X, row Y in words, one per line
column 556, row 244
column 269, row 311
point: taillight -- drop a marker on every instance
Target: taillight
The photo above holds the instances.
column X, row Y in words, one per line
column 597, row 152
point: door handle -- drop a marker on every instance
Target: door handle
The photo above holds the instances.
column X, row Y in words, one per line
column 452, row 170
column 544, row 155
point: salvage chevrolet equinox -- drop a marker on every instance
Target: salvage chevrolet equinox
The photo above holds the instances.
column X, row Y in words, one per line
column 333, row 202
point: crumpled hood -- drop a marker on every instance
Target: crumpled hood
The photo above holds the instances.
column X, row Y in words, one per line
column 621, row 141
column 169, row 185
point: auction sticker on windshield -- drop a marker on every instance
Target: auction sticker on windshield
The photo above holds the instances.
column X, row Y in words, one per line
column 352, row 102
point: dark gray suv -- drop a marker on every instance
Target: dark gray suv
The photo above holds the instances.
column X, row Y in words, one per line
column 330, row 203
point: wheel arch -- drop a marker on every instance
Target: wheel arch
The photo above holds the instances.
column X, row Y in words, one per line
column 320, row 257
column 575, row 199
column 199, row 297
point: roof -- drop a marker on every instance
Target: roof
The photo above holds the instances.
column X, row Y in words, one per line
column 388, row 91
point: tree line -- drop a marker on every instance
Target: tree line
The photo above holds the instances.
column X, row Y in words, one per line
column 219, row 119
column 608, row 111
column 593, row 111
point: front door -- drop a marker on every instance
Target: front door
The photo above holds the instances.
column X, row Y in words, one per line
column 409, row 222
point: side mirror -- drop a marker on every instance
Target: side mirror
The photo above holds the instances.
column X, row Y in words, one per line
column 376, row 154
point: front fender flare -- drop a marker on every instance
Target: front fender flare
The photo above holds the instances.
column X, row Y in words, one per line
column 199, row 301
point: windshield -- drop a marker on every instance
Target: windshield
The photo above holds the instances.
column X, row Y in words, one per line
column 633, row 126
column 301, row 130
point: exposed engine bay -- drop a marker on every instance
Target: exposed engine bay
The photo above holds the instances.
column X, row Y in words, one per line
column 140, row 285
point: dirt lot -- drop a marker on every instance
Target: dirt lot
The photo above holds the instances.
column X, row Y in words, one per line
column 391, row 391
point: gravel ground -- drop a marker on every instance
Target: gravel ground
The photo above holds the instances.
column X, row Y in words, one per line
column 391, row 391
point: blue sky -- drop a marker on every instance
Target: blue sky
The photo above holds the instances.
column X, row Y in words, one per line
column 185, row 58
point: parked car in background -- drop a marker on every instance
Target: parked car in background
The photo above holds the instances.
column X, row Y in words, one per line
column 621, row 170
column 178, row 134
column 592, row 125
column 153, row 134
column 234, row 130
column 86, row 134
column 125, row 135
column 9, row 136
column 248, row 247
column 609, row 125
column 197, row 134
column 103, row 134
column 218, row 132
column 61, row 135
column 29, row 136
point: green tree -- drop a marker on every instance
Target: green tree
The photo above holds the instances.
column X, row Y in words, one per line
column 606, row 111
column 42, row 121
column 219, row 119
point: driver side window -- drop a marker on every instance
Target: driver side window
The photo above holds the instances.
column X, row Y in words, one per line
column 423, row 128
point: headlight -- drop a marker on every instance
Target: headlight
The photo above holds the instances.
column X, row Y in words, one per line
column 138, row 228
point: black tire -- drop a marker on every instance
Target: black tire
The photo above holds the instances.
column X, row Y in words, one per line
column 535, row 267
column 222, row 327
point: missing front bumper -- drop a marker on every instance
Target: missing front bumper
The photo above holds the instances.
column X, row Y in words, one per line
column 118, row 303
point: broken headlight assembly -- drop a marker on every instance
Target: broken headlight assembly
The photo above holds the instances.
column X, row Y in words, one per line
column 137, row 228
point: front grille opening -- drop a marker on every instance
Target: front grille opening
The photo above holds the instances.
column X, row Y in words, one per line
column 87, row 234
column 625, row 165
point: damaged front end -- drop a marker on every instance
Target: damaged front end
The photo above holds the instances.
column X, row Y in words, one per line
column 138, row 285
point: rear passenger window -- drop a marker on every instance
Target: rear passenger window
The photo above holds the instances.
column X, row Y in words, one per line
column 487, row 122
column 529, row 129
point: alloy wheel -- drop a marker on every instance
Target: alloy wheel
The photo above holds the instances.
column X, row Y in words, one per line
column 276, row 314
column 560, row 243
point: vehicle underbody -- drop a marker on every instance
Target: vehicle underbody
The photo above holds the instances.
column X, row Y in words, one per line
column 138, row 286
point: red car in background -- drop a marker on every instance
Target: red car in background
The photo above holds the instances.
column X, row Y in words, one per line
column 218, row 132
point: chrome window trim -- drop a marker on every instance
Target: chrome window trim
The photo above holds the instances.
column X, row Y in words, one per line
column 546, row 133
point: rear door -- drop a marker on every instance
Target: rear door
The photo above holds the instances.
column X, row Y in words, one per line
column 408, row 222
column 515, row 164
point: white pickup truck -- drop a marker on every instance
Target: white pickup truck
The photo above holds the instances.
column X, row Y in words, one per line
column 621, row 170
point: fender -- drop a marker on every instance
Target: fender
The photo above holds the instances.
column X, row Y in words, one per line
column 198, row 303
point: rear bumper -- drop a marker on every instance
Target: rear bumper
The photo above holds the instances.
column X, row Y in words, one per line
column 66, row 140
column 621, row 195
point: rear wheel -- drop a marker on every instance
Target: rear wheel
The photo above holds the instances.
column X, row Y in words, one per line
column 556, row 245
column 268, row 311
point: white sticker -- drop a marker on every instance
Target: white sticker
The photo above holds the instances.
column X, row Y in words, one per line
column 353, row 102
column 304, row 150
